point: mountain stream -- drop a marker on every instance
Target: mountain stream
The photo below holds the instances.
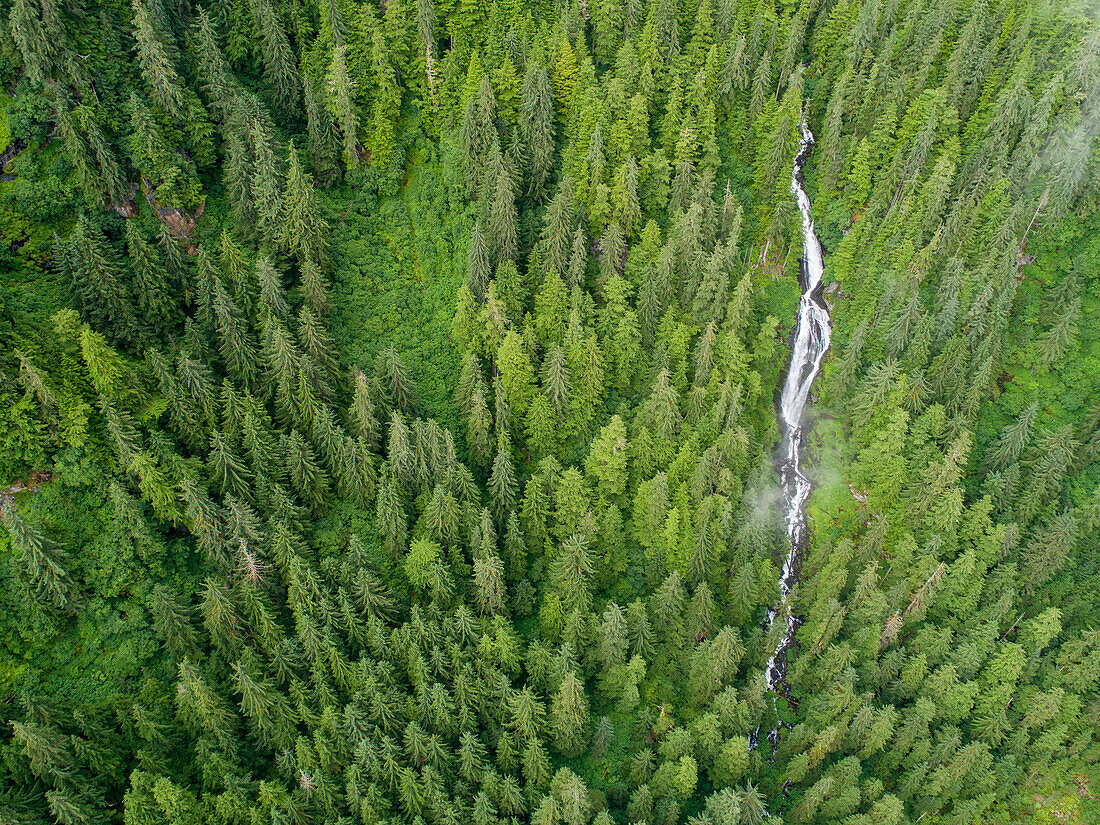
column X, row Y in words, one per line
column 809, row 345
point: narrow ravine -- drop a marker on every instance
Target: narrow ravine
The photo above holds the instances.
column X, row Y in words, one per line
column 811, row 341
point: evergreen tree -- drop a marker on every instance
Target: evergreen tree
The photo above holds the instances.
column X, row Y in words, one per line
column 569, row 716
column 537, row 128
column 556, row 382
column 489, row 584
column 201, row 707
column 44, row 563
column 265, row 707
column 173, row 623
column 218, row 82
column 479, row 134
column 156, row 62
column 344, row 108
column 236, row 346
column 227, row 470
column 266, row 185
column 502, row 212
column 387, row 103
column 362, row 413
column 272, row 295
column 151, row 278
column 661, row 410
column 395, row 383
column 110, row 179
column 32, row 38
column 97, row 283
column 1056, row 341
column 502, row 483
column 322, row 139
column 302, row 231
column 477, row 264
column 1014, row 439
column 280, row 64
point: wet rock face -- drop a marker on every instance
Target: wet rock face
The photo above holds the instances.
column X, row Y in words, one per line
column 13, row 149
column 30, row 484
column 128, row 208
column 180, row 224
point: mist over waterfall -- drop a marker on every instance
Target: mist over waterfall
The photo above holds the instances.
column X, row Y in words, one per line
column 811, row 341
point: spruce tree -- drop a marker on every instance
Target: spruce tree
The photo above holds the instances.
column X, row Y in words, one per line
column 537, row 128
column 174, row 623
column 362, row 413
column 235, row 340
column 322, row 139
column 478, row 269
column 33, row 41
column 302, row 230
column 43, row 562
column 110, row 177
column 479, row 134
column 272, row 294
column 399, row 389
column 502, row 483
column 157, row 62
column 265, row 707
column 344, row 107
column 266, row 189
column 151, row 278
column 202, row 708
column 221, row 87
column 557, row 386
column 386, row 104
column 489, row 584
column 1056, row 341
column 280, row 63
column 97, row 282
column 569, row 716
column 320, row 349
column 606, row 462
column 502, row 212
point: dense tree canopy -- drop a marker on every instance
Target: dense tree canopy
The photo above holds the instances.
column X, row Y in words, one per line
column 388, row 412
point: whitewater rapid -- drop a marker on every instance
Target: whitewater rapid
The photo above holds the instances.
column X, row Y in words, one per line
column 811, row 341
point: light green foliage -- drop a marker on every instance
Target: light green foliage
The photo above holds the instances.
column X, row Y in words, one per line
column 606, row 463
column 431, row 480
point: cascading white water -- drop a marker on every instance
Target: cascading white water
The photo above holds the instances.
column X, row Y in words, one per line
column 811, row 341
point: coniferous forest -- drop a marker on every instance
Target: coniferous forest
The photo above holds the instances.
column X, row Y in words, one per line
column 390, row 421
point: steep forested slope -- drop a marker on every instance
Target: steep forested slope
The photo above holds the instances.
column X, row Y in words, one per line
column 388, row 412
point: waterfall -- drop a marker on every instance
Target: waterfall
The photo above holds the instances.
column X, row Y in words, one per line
column 811, row 341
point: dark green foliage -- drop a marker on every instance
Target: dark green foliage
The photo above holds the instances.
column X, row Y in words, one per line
column 430, row 480
column 44, row 564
